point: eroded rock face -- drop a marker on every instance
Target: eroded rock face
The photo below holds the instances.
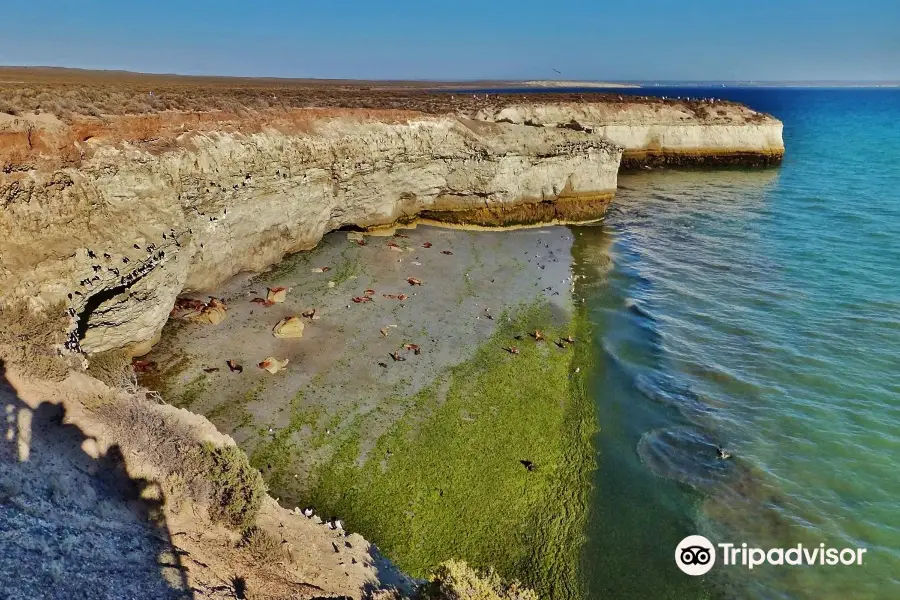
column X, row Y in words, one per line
column 132, row 223
column 673, row 133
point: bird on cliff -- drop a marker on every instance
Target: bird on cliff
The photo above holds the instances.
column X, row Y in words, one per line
column 336, row 524
column 308, row 512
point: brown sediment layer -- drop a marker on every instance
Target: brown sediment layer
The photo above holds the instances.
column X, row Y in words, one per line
column 636, row 159
column 571, row 208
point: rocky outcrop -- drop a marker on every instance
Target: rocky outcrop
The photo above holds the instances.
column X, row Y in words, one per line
column 679, row 133
column 117, row 219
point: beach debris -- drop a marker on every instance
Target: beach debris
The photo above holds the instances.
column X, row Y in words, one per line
column 362, row 299
column 447, row 252
column 397, row 356
column 321, row 269
column 234, row 367
column 722, row 453
column 512, row 349
column 384, row 331
column 369, row 293
column 309, row 314
column 262, row 301
column 538, row 335
column 382, row 364
column 427, row 245
column 569, row 339
column 360, row 242
column 211, row 370
column 529, row 466
column 418, row 264
column 331, row 284
column 560, row 344
column 400, row 297
column 578, row 369
column 413, row 281
column 273, row 365
column 289, row 327
column 401, row 235
column 277, row 295
column 394, row 246
column 143, row 366
column 414, row 347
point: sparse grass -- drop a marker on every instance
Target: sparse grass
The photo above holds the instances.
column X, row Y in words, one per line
column 29, row 339
column 455, row 580
column 448, row 482
column 238, row 488
column 273, row 455
column 233, row 410
column 192, row 392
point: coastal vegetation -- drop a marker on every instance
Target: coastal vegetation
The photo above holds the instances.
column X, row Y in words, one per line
column 491, row 464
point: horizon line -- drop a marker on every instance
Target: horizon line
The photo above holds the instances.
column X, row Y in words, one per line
column 452, row 80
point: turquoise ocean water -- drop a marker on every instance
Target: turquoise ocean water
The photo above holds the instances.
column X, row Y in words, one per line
column 759, row 311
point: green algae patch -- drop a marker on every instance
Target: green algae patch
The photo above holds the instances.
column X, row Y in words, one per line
column 451, row 481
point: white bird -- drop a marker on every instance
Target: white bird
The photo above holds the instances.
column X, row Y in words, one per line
column 308, row 512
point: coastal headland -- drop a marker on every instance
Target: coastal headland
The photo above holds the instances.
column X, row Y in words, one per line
column 122, row 193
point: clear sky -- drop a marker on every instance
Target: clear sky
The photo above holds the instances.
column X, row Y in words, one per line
column 464, row 39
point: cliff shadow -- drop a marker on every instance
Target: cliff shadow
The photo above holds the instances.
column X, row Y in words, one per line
column 73, row 524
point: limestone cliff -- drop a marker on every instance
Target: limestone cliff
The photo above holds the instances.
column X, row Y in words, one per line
column 118, row 217
column 654, row 133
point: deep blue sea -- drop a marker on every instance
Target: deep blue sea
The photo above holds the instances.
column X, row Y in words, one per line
column 758, row 311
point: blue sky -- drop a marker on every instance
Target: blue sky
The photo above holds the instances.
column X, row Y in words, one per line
column 465, row 39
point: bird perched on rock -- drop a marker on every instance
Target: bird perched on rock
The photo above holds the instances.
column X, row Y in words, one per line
column 336, row 524
column 308, row 512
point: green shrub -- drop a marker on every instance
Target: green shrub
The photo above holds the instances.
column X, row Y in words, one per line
column 455, row 580
column 237, row 488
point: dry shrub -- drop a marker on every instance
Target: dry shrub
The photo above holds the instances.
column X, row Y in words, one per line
column 30, row 339
column 263, row 546
column 455, row 580
column 217, row 476
column 112, row 367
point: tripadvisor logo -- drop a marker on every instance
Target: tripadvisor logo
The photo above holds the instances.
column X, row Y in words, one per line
column 696, row 555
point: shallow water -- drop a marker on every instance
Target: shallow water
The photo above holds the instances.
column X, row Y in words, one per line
column 759, row 311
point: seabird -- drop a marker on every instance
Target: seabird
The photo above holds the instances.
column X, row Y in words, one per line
column 308, row 512
column 722, row 453
column 336, row 524
column 528, row 465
